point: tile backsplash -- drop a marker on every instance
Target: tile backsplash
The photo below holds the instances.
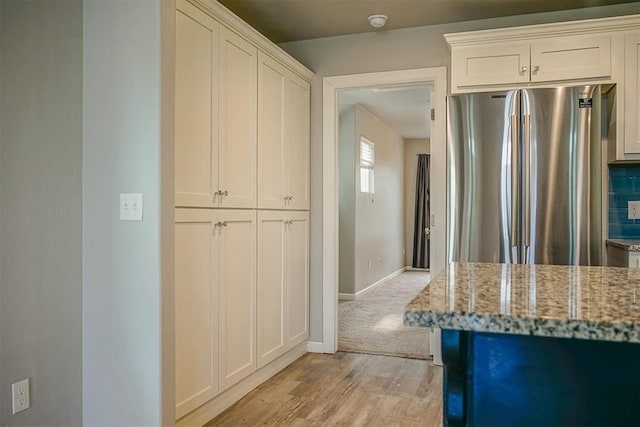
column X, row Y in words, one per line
column 624, row 185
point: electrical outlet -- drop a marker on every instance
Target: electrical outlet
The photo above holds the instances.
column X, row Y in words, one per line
column 131, row 206
column 634, row 209
column 20, row 396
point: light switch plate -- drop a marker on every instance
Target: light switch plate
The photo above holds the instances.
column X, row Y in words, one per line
column 131, row 206
column 634, row 209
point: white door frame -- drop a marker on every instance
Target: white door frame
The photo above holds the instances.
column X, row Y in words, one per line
column 330, row 88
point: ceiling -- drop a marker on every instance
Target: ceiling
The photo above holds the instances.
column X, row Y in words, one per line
column 404, row 109
column 291, row 20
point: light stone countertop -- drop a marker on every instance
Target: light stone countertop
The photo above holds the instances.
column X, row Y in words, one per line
column 593, row 303
column 626, row 244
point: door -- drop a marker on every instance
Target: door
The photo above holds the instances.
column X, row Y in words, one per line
column 196, row 301
column 481, row 129
column 494, row 65
column 271, row 142
column 632, row 90
column 562, row 184
column 196, row 123
column 271, row 285
column 297, row 134
column 238, row 121
column 297, row 278
column 235, row 245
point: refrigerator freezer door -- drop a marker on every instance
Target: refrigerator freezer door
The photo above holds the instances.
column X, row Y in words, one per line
column 480, row 152
column 562, row 175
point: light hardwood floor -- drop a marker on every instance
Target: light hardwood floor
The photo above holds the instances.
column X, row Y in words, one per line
column 345, row 389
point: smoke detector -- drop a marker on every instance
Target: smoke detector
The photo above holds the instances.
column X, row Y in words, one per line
column 377, row 21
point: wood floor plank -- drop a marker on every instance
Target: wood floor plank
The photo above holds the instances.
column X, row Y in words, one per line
column 345, row 389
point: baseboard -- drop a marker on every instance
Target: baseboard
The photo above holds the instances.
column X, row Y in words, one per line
column 346, row 297
column 378, row 283
column 315, row 347
column 409, row 268
column 215, row 406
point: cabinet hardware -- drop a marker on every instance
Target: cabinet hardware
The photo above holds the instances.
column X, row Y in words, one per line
column 536, row 68
column 523, row 69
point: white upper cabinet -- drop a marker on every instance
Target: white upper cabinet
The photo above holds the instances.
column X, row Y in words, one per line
column 539, row 55
column 196, row 108
column 238, row 121
column 569, row 58
column 297, row 134
column 632, row 99
column 283, row 137
column 491, row 65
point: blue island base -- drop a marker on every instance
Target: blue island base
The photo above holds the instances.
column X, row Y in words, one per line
column 520, row 380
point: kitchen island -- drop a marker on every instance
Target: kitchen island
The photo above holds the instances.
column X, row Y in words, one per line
column 541, row 345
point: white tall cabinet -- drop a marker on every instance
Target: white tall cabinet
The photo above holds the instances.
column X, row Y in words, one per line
column 242, row 200
column 283, row 285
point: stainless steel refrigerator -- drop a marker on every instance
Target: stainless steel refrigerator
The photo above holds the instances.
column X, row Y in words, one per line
column 524, row 175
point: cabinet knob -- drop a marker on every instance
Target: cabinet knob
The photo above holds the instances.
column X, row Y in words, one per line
column 536, row 68
column 524, row 69
column 225, row 193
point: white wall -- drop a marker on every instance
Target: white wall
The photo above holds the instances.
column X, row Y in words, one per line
column 412, row 147
column 385, row 51
column 379, row 218
column 347, row 200
column 40, row 209
column 127, row 265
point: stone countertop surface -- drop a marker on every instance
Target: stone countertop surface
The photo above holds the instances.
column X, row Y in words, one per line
column 592, row 303
column 626, row 244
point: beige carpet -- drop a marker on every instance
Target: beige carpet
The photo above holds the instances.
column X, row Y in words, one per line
column 373, row 323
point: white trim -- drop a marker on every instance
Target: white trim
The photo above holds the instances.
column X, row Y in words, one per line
column 351, row 297
column 315, row 347
column 528, row 32
column 215, row 406
column 234, row 23
column 330, row 88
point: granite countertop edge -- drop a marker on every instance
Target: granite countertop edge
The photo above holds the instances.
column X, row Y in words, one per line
column 625, row 244
column 541, row 327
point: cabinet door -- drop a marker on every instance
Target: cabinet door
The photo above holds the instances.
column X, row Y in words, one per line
column 297, row 277
column 632, row 94
column 570, row 58
column 271, row 118
column 297, row 134
column 504, row 63
column 238, row 121
column 196, row 322
column 271, row 286
column 196, row 92
column 236, row 265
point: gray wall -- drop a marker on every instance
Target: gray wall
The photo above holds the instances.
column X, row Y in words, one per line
column 379, row 218
column 127, row 275
column 40, row 212
column 347, row 200
column 412, row 147
column 385, row 51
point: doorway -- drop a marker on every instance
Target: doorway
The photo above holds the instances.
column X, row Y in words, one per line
column 331, row 86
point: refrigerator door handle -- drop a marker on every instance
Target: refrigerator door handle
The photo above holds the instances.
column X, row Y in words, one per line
column 515, row 196
column 526, row 186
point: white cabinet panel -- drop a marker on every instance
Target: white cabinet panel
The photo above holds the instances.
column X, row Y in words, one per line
column 196, row 326
column 271, row 286
column 271, row 124
column 297, row 133
column 283, row 141
column 491, row 65
column 632, row 94
column 297, row 278
column 236, row 260
column 238, row 121
column 196, row 93
column 571, row 58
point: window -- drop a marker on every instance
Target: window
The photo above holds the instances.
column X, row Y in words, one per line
column 367, row 162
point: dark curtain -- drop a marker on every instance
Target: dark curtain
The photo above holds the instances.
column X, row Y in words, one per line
column 421, row 220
